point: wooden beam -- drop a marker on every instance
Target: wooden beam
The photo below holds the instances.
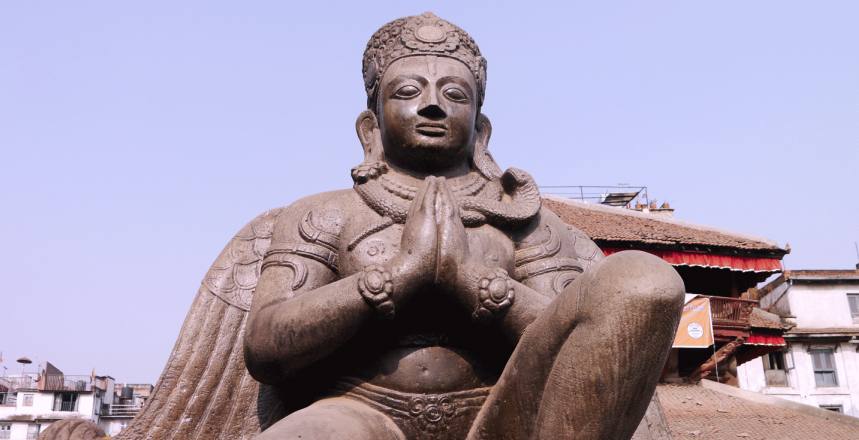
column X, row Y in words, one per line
column 718, row 358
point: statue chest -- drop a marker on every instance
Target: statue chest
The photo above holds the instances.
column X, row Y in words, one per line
column 492, row 246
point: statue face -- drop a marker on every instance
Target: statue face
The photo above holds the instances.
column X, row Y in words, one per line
column 427, row 110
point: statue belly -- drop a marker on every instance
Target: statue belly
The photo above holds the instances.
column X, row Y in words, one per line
column 433, row 369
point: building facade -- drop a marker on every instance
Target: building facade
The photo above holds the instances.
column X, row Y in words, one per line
column 820, row 364
column 30, row 402
column 721, row 265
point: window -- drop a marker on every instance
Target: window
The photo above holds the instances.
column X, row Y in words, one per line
column 823, row 361
column 833, row 408
column 853, row 300
column 775, row 369
column 774, row 361
column 28, row 399
column 65, row 402
column 5, row 430
column 33, row 431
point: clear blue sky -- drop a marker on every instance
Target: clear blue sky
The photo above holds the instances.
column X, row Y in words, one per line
column 136, row 139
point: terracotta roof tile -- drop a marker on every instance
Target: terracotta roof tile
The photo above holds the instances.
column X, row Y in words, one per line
column 611, row 224
column 699, row 413
column 763, row 319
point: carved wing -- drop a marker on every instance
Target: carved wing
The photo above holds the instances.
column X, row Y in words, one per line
column 205, row 391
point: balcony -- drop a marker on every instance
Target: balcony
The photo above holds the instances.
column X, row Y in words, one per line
column 731, row 313
column 129, row 410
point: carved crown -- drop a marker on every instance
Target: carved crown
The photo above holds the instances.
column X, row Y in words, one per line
column 424, row 34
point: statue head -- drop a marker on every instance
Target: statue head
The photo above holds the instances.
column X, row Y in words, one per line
column 425, row 81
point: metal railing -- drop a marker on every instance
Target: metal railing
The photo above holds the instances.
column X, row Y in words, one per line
column 66, row 405
column 129, row 410
column 61, row 382
column 617, row 195
column 731, row 312
column 25, row 382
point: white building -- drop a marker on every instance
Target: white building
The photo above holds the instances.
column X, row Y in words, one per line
column 30, row 402
column 820, row 365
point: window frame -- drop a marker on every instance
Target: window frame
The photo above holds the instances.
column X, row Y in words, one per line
column 850, row 305
column 773, row 375
column 824, row 371
column 30, row 432
column 58, row 401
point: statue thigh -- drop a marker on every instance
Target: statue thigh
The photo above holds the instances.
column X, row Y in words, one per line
column 334, row 419
column 593, row 357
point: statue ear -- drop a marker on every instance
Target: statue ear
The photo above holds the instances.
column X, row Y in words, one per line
column 483, row 161
column 370, row 136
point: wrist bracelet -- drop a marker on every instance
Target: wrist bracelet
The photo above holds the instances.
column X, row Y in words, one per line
column 376, row 286
column 495, row 293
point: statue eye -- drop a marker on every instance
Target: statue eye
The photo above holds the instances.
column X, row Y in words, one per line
column 407, row 91
column 455, row 94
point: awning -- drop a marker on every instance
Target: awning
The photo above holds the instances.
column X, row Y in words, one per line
column 694, row 259
column 757, row 345
column 769, row 340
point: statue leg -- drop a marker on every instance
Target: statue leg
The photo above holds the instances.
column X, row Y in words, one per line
column 588, row 366
column 334, row 419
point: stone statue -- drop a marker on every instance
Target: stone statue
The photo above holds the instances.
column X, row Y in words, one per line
column 436, row 299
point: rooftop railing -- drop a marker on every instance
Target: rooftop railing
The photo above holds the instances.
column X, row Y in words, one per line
column 64, row 382
column 21, row 382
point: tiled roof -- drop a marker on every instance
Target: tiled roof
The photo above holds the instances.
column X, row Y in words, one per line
column 611, row 224
column 722, row 412
column 763, row 319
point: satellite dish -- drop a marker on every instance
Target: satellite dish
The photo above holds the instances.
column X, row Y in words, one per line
column 24, row 361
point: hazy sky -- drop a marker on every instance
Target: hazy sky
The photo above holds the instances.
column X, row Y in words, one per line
column 138, row 138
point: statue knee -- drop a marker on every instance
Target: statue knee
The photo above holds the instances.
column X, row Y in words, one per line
column 638, row 279
column 334, row 418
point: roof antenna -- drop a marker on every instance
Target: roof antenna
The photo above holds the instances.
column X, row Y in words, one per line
column 856, row 245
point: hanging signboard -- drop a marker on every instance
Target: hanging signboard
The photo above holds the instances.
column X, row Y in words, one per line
column 696, row 325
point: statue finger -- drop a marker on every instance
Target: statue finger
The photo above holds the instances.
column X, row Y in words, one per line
column 420, row 197
column 442, row 203
column 427, row 205
column 451, row 213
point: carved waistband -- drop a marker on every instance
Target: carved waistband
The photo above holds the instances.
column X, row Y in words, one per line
column 429, row 412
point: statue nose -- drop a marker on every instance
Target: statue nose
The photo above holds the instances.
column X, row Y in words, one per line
column 432, row 111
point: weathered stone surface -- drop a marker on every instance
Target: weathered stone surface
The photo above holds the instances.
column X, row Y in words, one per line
column 436, row 299
column 73, row 429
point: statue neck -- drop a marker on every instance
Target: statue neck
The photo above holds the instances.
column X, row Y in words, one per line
column 459, row 169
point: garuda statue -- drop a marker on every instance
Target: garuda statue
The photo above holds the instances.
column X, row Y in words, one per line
column 435, row 299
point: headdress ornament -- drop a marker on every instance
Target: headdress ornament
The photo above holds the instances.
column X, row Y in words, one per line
column 424, row 34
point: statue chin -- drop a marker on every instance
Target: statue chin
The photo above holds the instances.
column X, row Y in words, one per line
column 425, row 156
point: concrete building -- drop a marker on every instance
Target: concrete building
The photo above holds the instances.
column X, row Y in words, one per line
column 30, row 402
column 820, row 364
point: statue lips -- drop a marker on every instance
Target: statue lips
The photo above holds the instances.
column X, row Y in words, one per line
column 433, row 129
